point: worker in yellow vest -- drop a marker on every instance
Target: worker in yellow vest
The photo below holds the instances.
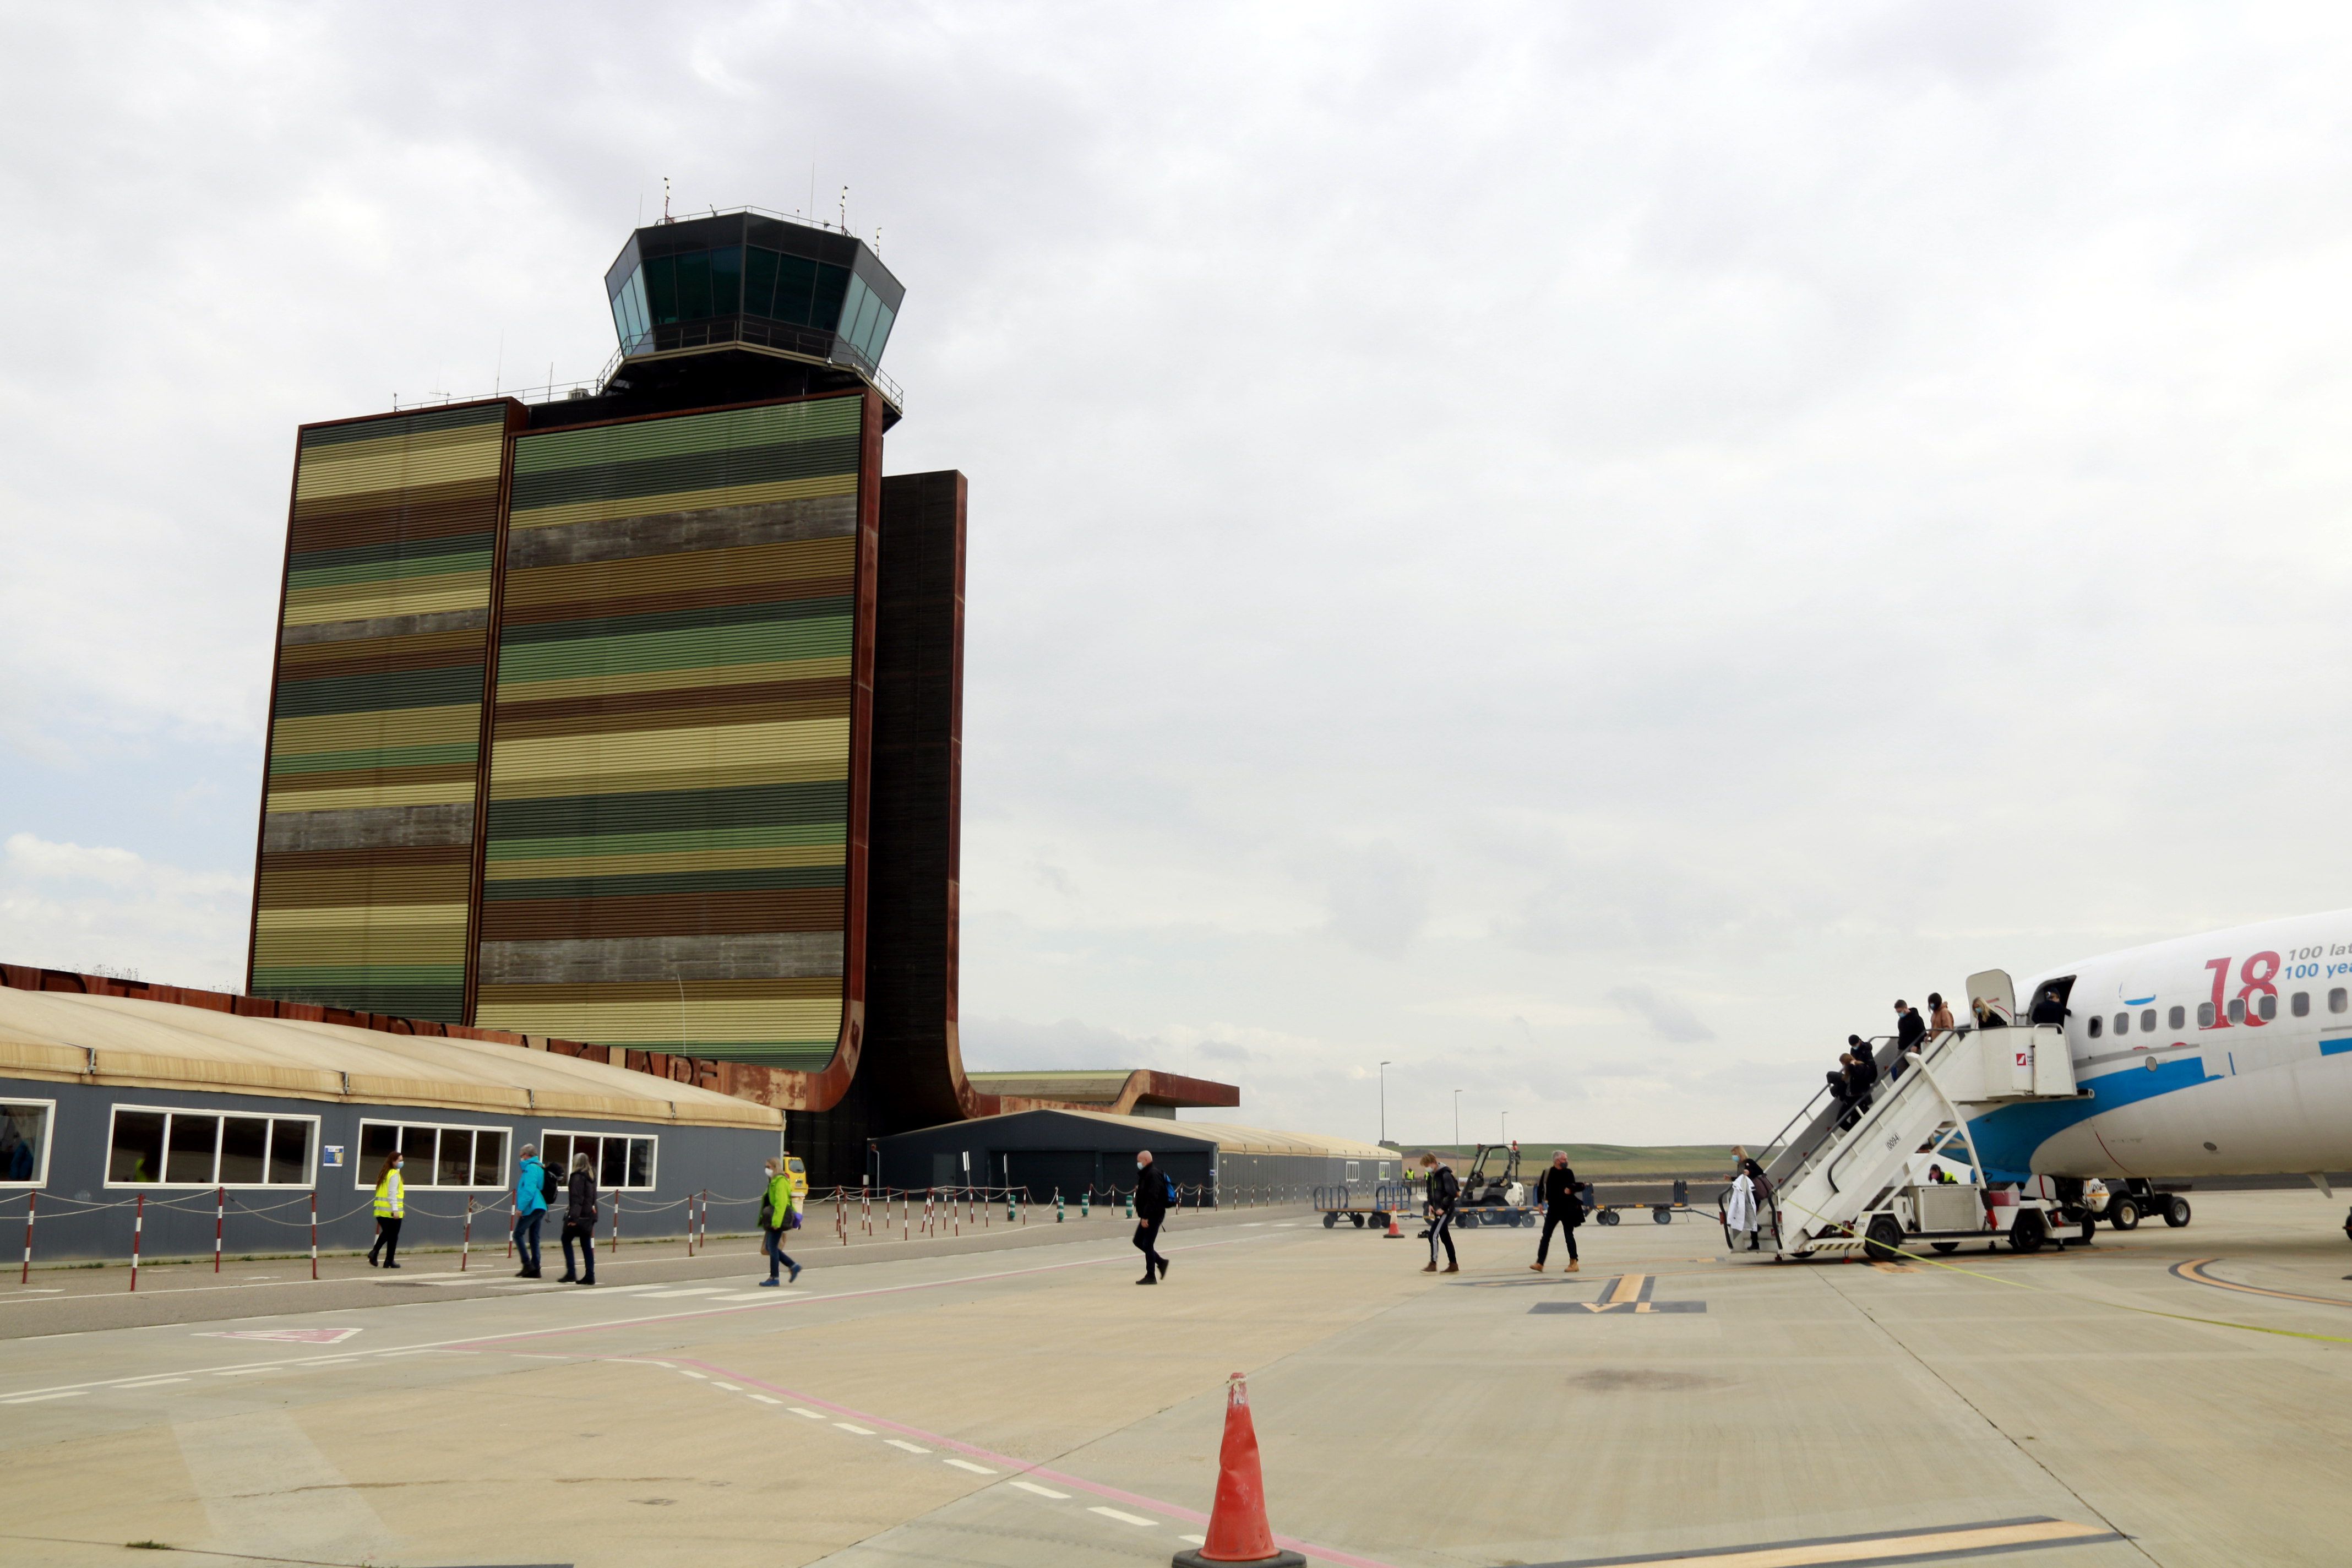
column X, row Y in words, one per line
column 776, row 1206
column 390, row 1207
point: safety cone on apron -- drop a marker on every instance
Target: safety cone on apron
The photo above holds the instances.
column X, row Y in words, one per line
column 1394, row 1233
column 1238, row 1531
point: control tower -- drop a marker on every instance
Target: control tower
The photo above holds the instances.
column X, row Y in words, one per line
column 630, row 715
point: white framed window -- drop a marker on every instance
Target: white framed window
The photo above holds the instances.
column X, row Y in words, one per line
column 165, row 1146
column 1353, row 1169
column 434, row 1154
column 24, row 1129
column 622, row 1161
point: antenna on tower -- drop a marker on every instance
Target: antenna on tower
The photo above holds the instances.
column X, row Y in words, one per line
column 844, row 209
column 666, row 217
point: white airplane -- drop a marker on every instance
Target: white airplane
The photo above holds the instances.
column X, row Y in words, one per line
column 2223, row 1055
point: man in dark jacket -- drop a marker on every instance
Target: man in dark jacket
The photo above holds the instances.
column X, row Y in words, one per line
column 1151, row 1196
column 1444, row 1191
column 1909, row 1027
column 2049, row 1009
column 1560, row 1208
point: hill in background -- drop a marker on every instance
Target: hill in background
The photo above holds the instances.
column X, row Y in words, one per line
column 1595, row 1161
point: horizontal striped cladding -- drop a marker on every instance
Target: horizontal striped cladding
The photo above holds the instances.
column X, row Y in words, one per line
column 665, row 858
column 374, row 741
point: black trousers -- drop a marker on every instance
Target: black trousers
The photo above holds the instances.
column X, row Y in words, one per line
column 387, row 1237
column 586, row 1236
column 1146, row 1237
column 1441, row 1228
column 1567, row 1234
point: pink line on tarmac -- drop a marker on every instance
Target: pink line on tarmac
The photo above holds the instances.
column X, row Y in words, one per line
column 1021, row 1466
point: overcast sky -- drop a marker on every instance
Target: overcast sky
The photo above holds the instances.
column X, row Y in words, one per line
column 1579, row 550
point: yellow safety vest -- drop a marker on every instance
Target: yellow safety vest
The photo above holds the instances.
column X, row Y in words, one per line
column 388, row 1194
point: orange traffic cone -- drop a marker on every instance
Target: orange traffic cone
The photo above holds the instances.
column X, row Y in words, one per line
column 1238, row 1531
column 1394, row 1233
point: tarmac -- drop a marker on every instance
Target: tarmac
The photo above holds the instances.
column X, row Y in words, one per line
column 1011, row 1397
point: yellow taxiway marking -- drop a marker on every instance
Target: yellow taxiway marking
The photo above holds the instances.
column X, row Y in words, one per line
column 2194, row 1273
column 2006, row 1535
column 1628, row 1288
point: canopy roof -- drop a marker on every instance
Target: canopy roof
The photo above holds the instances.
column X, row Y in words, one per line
column 68, row 1036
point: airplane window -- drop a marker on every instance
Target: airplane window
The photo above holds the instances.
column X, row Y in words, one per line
column 2303, row 1004
column 2179, row 1017
column 2335, row 1000
column 2237, row 1010
column 2147, row 1021
column 2122, row 1023
column 2204, row 1014
column 2095, row 1022
column 2267, row 1006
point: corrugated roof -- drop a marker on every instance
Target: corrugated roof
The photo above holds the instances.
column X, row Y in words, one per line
column 1231, row 1139
column 63, row 1036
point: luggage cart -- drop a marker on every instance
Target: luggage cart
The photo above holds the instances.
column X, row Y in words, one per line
column 1352, row 1201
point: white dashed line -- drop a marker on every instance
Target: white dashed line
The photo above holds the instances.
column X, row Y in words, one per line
column 910, row 1447
column 36, row 1398
column 244, row 1370
column 861, row 1431
column 152, row 1383
column 812, row 1415
column 1194, row 1540
column 696, row 1375
column 984, row 1470
column 1124, row 1518
column 765, row 1400
column 730, row 1387
column 1041, row 1491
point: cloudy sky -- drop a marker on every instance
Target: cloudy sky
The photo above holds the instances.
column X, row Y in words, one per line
column 1580, row 549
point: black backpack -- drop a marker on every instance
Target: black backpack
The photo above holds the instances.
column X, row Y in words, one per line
column 547, row 1186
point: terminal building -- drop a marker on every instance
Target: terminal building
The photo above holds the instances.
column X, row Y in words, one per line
column 614, row 752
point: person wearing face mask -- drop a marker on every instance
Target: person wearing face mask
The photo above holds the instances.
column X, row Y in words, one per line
column 391, row 1206
column 1152, row 1197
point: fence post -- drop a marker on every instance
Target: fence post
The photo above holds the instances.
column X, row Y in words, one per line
column 905, row 1216
column 27, row 1275
column 866, row 1205
column 840, row 1214
column 465, row 1249
column 314, row 1233
column 511, row 1216
column 220, row 1217
column 616, row 1221
column 690, row 1198
column 1057, row 1205
column 138, row 1224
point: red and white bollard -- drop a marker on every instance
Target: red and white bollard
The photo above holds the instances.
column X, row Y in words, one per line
column 138, row 1224
column 616, row 1221
column 220, row 1215
column 466, row 1247
column 511, row 1216
column 706, row 1219
column 27, row 1276
column 314, row 1233
column 690, row 1200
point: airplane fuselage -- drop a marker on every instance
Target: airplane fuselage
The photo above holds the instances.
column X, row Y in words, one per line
column 2225, row 1054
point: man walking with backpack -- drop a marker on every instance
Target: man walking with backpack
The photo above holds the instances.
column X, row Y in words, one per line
column 531, row 1185
column 1444, row 1191
column 1151, row 1199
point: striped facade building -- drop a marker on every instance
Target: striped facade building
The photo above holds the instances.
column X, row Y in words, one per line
column 573, row 728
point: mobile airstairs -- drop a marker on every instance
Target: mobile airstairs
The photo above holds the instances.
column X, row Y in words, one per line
column 1903, row 1174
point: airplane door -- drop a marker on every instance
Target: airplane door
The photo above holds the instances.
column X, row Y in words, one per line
column 1999, row 997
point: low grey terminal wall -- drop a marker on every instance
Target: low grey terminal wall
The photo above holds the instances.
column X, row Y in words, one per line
column 1074, row 1152
column 87, row 1153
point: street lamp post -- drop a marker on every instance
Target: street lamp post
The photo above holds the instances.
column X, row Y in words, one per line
column 1458, row 1118
column 1384, row 1100
column 1507, row 1127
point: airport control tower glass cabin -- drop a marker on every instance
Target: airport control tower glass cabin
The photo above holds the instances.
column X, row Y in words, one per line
column 574, row 729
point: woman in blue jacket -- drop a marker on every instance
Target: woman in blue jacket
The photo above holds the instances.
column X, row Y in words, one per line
column 531, row 1210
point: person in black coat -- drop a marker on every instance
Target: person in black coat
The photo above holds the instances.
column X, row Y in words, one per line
column 1152, row 1197
column 1909, row 1027
column 2050, row 1009
column 1561, row 1208
column 580, row 1222
column 1443, row 1190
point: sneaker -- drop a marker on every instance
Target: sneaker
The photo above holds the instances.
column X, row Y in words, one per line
column 796, row 1273
column 769, row 1283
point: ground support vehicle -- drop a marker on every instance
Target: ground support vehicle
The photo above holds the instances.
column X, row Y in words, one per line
column 1660, row 1213
column 1843, row 1181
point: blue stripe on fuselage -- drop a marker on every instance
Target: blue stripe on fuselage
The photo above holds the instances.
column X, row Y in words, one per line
column 2335, row 1047
column 2006, row 1139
